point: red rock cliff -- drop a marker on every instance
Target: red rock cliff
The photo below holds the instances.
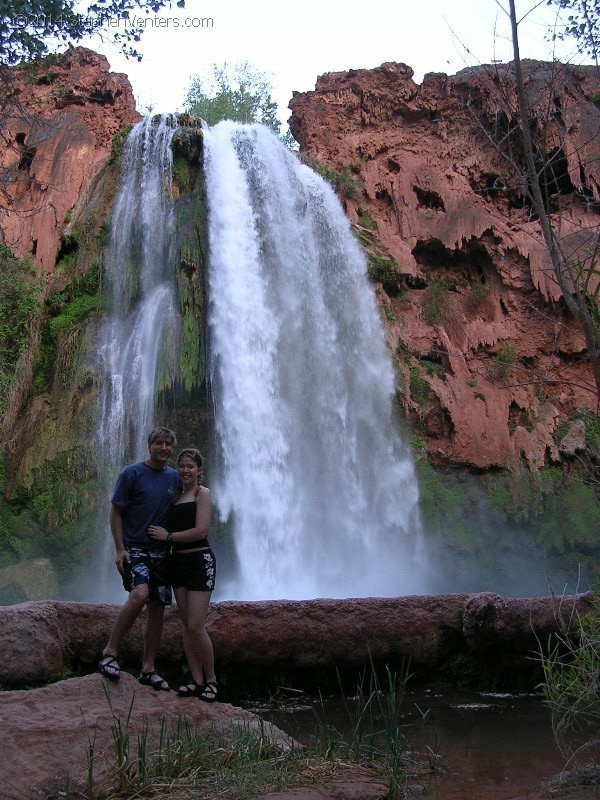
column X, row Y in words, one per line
column 490, row 362
column 58, row 122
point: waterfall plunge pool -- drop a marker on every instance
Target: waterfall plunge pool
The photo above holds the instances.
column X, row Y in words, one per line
column 481, row 745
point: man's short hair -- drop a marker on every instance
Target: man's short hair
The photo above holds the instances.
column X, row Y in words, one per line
column 156, row 432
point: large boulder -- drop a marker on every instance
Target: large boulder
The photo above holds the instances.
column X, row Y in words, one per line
column 47, row 732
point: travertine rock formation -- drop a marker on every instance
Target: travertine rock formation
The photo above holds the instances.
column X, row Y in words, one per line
column 45, row 732
column 491, row 364
column 41, row 641
column 58, row 123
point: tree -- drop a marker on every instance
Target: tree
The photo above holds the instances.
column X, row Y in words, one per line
column 239, row 92
column 27, row 27
column 576, row 272
column 543, row 118
column 582, row 24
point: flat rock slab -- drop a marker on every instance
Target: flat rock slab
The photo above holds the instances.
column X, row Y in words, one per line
column 46, row 732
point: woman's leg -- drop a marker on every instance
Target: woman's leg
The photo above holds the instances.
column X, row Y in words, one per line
column 195, row 620
column 193, row 657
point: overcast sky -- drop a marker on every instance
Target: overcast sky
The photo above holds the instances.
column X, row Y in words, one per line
column 296, row 42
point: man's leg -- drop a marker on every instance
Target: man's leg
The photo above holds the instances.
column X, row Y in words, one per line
column 152, row 633
column 126, row 617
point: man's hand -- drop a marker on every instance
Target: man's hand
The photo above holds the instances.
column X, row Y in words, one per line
column 120, row 560
column 158, row 533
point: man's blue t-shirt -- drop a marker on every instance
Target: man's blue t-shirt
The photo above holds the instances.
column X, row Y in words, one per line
column 145, row 494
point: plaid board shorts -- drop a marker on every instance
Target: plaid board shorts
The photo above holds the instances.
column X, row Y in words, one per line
column 148, row 566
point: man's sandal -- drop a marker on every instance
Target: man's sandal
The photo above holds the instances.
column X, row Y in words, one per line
column 109, row 668
column 190, row 690
column 154, row 680
column 209, row 693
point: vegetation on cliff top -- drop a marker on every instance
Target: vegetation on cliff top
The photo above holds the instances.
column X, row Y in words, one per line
column 30, row 28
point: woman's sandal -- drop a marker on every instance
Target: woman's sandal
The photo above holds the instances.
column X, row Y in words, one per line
column 109, row 668
column 209, row 692
column 154, row 680
column 190, row 689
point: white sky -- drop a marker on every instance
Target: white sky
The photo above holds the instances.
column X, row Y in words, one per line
column 296, row 42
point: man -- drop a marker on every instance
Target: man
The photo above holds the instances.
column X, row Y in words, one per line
column 142, row 497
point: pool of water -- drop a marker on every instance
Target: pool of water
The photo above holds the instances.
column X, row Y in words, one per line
column 484, row 746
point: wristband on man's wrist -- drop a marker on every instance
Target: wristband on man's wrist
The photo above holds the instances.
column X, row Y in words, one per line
column 169, row 537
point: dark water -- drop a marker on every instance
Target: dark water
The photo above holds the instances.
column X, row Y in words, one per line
column 484, row 746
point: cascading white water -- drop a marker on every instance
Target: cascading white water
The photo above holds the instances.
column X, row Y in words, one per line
column 320, row 488
column 144, row 315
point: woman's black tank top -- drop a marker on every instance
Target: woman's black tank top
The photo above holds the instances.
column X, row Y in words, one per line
column 182, row 517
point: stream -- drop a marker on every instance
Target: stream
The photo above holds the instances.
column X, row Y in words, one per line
column 484, row 746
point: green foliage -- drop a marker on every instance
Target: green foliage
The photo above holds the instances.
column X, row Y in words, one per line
column 570, row 519
column 60, row 490
column 20, row 302
column 478, row 292
column 365, row 220
column 73, row 312
column 238, row 92
column 64, row 311
column 591, row 421
column 242, row 760
column 403, row 352
column 191, row 224
column 435, row 300
column 342, row 179
column 442, row 505
column 581, row 24
column 504, row 360
column 432, row 364
column 118, row 143
column 21, row 536
column 571, row 664
column 377, row 732
column 181, row 173
column 419, row 388
column 380, row 269
column 65, row 22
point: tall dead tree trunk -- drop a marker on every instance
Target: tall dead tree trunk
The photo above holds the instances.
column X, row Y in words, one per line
column 576, row 280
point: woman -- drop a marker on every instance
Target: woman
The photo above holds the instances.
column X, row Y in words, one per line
column 193, row 569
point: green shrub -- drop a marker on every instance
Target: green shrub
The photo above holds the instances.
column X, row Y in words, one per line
column 477, row 294
column 118, row 143
column 341, row 179
column 65, row 310
column 504, row 360
column 365, row 220
column 571, row 664
column 20, row 303
column 435, row 300
column 419, row 388
column 382, row 270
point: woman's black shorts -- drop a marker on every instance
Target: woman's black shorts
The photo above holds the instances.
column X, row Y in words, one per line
column 194, row 571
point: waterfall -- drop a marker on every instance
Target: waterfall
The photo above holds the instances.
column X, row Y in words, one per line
column 138, row 338
column 311, row 471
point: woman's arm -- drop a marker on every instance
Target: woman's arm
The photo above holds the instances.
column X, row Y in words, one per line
column 204, row 506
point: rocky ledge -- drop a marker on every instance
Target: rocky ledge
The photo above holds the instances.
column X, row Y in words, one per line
column 43, row 641
column 46, row 730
